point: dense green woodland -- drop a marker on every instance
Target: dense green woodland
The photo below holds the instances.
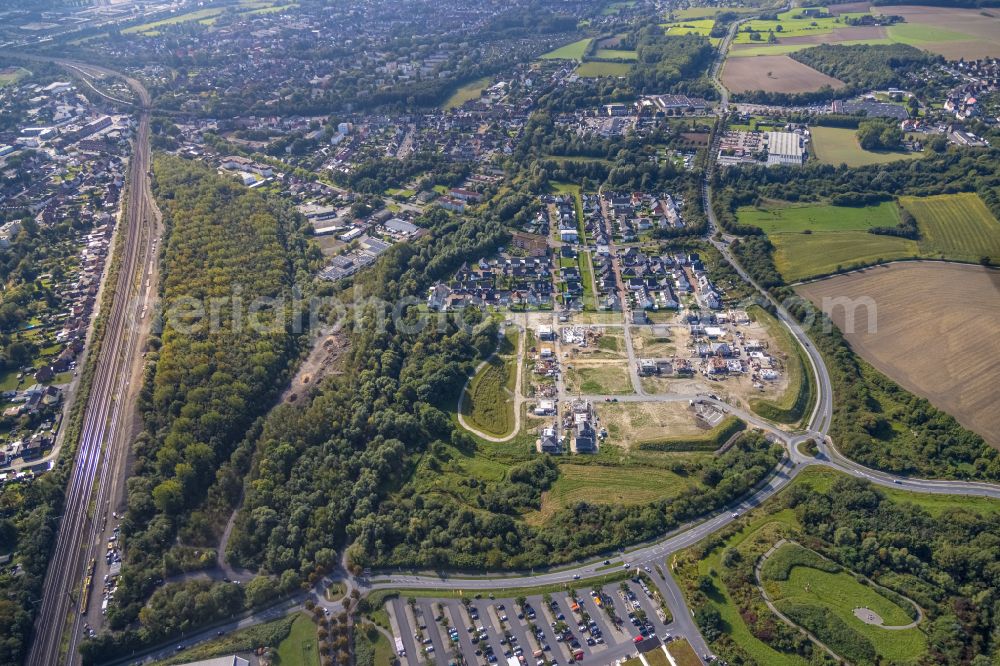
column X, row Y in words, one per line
column 203, row 387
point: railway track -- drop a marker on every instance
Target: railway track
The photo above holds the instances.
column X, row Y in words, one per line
column 99, row 463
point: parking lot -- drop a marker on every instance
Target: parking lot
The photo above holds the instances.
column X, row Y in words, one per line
column 596, row 626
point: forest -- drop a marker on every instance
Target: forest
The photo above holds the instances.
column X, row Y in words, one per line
column 205, row 381
column 865, row 66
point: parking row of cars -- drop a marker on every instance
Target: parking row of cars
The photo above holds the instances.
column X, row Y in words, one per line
column 557, row 629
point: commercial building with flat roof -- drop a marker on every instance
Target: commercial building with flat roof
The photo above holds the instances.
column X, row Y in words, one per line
column 785, row 148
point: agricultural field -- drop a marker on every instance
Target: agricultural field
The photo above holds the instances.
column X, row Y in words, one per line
column 594, row 377
column 786, row 27
column 956, row 226
column 701, row 27
column 816, row 239
column 204, row 16
column 924, row 306
column 572, row 51
column 689, row 13
column 838, row 145
column 800, row 256
column 784, row 47
column 952, row 32
column 593, row 69
column 774, row 73
column 632, row 423
column 611, row 54
column 467, row 92
column 824, row 598
column 811, row 217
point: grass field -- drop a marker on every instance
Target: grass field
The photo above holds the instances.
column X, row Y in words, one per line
column 838, row 145
column 838, row 594
column 152, row 27
column 683, row 653
column 467, row 92
column 800, row 256
column 657, row 658
column 956, row 226
column 572, row 51
column 487, row 402
column 838, row 237
column 300, row 648
column 615, row 53
column 774, row 73
column 598, row 378
column 689, row 13
column 701, row 27
column 928, row 306
column 598, row 484
column 766, row 527
column 12, row 75
column 692, row 27
column 593, row 69
column 813, row 217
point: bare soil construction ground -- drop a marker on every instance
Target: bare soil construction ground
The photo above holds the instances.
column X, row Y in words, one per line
column 322, row 359
column 630, row 423
column 935, row 334
column 774, row 73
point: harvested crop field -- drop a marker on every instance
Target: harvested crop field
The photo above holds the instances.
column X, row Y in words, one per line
column 838, row 35
column 774, row 73
column 935, row 333
column 954, row 33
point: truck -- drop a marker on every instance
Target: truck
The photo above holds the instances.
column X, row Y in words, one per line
column 400, row 650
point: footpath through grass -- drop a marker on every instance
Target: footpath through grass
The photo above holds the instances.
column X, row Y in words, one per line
column 823, row 599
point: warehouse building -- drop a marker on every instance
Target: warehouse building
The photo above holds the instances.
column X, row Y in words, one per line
column 785, row 148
